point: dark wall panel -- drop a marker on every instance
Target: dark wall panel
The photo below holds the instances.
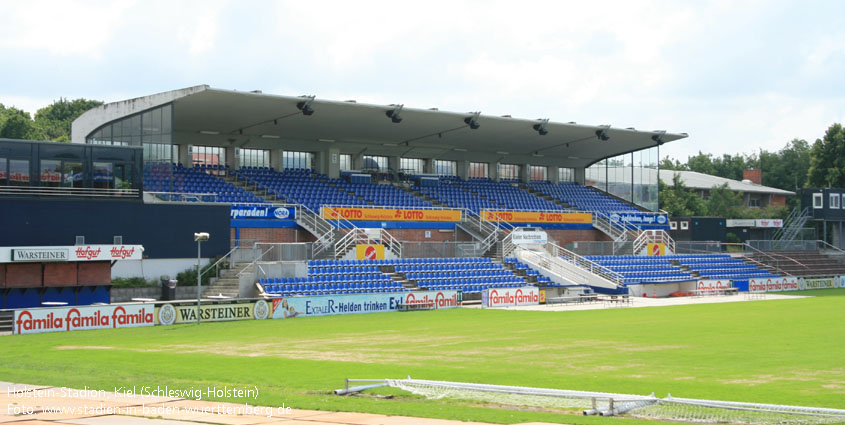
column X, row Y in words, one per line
column 165, row 231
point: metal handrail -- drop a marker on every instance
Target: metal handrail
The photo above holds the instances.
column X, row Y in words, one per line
column 775, row 261
column 254, row 261
column 584, row 263
column 68, row 191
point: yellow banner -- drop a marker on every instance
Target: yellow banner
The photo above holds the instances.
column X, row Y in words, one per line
column 537, row 217
column 656, row 249
column 369, row 252
column 382, row 214
column 542, row 296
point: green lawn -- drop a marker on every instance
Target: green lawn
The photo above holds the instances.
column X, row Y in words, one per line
column 785, row 352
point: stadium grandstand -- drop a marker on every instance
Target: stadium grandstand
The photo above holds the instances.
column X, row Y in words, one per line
column 310, row 197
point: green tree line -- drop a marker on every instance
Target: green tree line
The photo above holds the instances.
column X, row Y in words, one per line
column 51, row 123
column 797, row 165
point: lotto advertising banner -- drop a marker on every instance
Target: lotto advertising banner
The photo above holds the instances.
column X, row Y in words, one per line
column 712, row 287
column 820, row 283
column 329, row 305
column 369, row 252
column 537, row 217
column 640, row 218
column 509, row 297
column 38, row 320
column 382, row 214
column 168, row 314
column 238, row 212
column 773, row 284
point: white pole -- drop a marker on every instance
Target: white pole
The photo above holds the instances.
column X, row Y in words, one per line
column 199, row 281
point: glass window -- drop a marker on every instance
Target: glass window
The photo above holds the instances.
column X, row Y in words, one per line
column 103, row 175
column 509, row 171
column 254, row 158
column 297, row 160
column 818, row 201
column 445, row 168
column 51, row 173
column 122, row 176
column 4, row 174
column 411, row 165
column 478, row 169
column 834, row 201
column 538, row 172
column 566, row 174
column 754, row 202
column 18, row 172
column 208, row 155
column 72, row 175
column 345, row 162
column 372, row 162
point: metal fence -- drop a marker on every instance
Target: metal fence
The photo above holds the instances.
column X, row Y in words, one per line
column 283, row 251
column 796, row 245
column 441, row 249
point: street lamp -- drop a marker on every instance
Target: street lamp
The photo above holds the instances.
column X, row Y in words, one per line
column 199, row 238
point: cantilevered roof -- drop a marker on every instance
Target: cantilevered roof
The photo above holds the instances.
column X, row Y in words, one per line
column 215, row 117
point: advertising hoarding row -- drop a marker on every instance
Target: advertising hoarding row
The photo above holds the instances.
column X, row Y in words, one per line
column 713, row 287
column 39, row 320
column 71, row 253
column 774, row 284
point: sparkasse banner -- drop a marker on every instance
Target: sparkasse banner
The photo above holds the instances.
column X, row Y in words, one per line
column 773, row 284
column 509, row 297
column 38, row 320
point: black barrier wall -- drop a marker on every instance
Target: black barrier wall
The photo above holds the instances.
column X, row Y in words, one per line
column 165, row 231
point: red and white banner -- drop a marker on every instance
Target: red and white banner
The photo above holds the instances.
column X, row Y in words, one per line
column 712, row 287
column 441, row 299
column 769, row 223
column 509, row 297
column 38, row 320
column 773, row 284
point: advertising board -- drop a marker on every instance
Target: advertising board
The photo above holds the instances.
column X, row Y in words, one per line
column 640, row 218
column 369, row 252
column 774, row 284
column 38, row 320
column 522, row 236
column 169, row 314
column 537, row 217
column 329, row 305
column 509, row 297
column 384, row 214
column 712, row 287
column 262, row 212
column 820, row 282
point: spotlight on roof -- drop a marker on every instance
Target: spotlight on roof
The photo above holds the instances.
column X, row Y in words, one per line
column 305, row 105
column 394, row 113
column 541, row 127
column 472, row 121
column 658, row 136
column 601, row 133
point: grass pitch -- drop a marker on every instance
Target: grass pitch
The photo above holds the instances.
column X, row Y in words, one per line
column 784, row 352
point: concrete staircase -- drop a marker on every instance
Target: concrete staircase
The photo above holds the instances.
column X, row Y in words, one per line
column 228, row 284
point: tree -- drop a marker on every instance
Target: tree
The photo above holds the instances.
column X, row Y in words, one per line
column 827, row 159
column 724, row 202
column 55, row 120
column 678, row 200
column 16, row 124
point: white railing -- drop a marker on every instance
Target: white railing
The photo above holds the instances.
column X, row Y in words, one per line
column 653, row 236
column 584, row 263
column 318, row 226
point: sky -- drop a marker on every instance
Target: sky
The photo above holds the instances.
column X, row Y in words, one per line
column 737, row 76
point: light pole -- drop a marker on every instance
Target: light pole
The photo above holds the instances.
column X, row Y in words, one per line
column 199, row 238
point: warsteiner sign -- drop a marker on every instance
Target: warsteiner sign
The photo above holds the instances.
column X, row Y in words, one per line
column 168, row 314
